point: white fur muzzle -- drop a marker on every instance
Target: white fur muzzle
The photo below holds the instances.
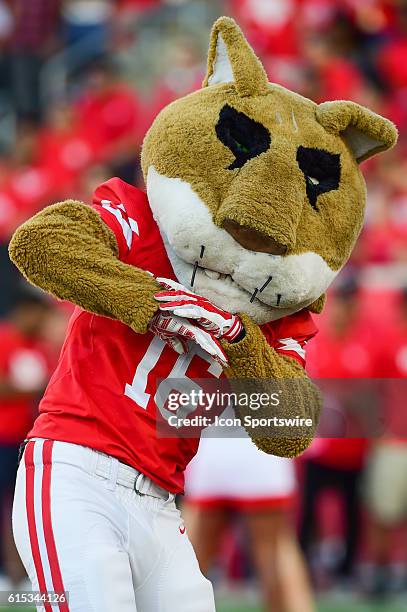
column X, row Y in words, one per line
column 229, row 274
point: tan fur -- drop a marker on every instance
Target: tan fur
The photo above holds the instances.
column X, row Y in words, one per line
column 250, row 76
column 339, row 116
column 254, row 360
column 67, row 250
column 318, row 306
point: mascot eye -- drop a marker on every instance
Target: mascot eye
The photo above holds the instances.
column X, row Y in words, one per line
column 243, row 136
column 322, row 171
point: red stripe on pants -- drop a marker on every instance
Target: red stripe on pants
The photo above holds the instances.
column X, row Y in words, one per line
column 32, row 527
column 47, row 520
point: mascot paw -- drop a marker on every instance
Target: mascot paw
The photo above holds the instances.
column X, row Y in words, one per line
column 283, row 447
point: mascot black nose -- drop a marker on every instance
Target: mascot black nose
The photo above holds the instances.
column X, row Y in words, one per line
column 252, row 239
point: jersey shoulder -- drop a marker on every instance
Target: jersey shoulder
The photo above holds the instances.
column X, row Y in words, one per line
column 116, row 191
column 126, row 210
column 289, row 335
column 299, row 325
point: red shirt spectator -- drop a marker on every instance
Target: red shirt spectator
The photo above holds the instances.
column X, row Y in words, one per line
column 108, row 112
column 64, row 148
column 24, row 365
column 391, row 366
column 271, row 26
column 392, row 62
column 35, row 23
column 138, row 5
column 23, row 372
column 342, row 349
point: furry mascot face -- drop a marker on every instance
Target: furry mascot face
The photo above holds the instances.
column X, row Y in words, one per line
column 257, row 190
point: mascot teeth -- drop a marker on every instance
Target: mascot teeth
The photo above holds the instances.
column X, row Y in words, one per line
column 212, row 274
column 217, row 275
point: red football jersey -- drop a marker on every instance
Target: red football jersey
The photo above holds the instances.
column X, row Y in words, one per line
column 103, row 392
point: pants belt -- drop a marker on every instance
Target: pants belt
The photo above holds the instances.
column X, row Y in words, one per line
column 119, row 473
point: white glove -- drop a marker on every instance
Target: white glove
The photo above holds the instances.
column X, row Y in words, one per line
column 179, row 301
column 176, row 332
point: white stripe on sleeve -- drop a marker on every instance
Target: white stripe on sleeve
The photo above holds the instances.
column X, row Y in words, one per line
column 289, row 344
column 127, row 225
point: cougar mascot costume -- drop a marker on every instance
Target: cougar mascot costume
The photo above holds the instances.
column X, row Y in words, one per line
column 254, row 202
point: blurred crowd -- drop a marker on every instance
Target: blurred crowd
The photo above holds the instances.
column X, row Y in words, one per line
column 80, row 82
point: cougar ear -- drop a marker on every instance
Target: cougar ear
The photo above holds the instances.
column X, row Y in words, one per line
column 232, row 60
column 365, row 132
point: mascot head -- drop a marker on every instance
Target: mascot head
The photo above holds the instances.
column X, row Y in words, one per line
column 257, row 190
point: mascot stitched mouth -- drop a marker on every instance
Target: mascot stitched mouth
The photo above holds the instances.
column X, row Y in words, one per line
column 265, row 286
column 219, row 276
column 229, row 278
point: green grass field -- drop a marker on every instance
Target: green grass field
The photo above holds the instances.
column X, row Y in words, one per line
column 326, row 604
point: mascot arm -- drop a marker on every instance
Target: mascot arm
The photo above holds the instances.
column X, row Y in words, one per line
column 254, row 360
column 67, row 250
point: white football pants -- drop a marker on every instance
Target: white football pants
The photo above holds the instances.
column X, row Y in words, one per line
column 111, row 550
